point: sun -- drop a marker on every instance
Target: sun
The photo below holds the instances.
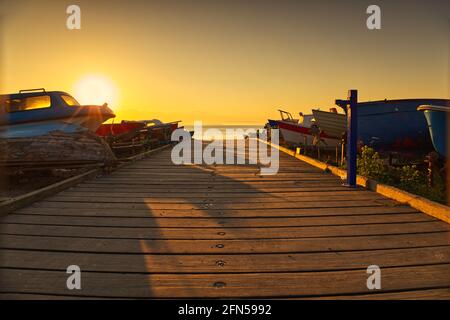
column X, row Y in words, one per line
column 96, row 90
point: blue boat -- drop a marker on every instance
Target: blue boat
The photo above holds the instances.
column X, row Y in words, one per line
column 394, row 124
column 438, row 119
column 37, row 112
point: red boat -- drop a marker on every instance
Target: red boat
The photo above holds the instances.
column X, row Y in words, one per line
column 303, row 131
column 137, row 135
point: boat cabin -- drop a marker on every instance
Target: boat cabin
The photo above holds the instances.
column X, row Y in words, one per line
column 51, row 109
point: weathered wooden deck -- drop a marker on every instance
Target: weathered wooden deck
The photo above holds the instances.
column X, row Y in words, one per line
column 156, row 230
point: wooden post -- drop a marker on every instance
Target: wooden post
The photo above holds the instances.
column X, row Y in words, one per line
column 350, row 105
column 352, row 132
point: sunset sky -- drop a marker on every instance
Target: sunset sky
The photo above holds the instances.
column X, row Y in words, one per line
column 226, row 62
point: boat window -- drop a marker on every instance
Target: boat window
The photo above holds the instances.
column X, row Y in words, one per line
column 27, row 103
column 70, row 101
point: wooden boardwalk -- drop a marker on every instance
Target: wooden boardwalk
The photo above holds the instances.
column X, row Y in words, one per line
column 156, row 230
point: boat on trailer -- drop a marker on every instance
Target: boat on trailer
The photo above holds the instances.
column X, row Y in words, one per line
column 303, row 131
column 438, row 119
column 129, row 137
column 38, row 127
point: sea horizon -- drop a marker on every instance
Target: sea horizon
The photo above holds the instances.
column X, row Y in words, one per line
column 209, row 136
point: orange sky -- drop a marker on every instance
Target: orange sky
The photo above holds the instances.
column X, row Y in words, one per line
column 227, row 62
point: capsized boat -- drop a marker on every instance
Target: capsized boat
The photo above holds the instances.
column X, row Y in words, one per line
column 37, row 112
column 394, row 124
column 438, row 119
column 303, row 131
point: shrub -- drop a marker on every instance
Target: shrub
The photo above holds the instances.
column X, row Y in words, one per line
column 370, row 165
column 408, row 178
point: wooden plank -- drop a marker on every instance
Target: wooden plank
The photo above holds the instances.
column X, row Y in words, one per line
column 218, row 206
column 146, row 154
column 215, row 222
column 201, row 175
column 295, row 262
column 427, row 294
column 154, row 163
column 217, row 194
column 223, row 285
column 213, row 169
column 207, row 179
column 221, row 184
column 229, row 213
column 208, row 170
column 267, row 198
column 224, row 246
column 175, row 188
column 221, row 233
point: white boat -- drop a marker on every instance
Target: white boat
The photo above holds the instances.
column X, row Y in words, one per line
column 333, row 123
column 304, row 131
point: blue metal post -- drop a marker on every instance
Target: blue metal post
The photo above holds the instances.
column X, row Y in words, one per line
column 352, row 137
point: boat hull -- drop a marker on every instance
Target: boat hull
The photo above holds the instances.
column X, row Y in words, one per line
column 333, row 124
column 438, row 119
column 298, row 135
column 131, row 129
column 34, row 129
column 395, row 124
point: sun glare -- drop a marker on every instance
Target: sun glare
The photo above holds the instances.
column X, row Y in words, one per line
column 96, row 90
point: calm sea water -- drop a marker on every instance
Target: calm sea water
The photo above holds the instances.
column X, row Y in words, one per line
column 208, row 134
